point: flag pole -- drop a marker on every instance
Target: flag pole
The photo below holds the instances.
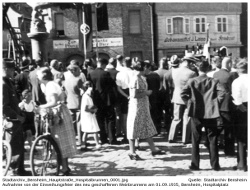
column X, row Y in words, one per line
column 84, row 35
column 96, row 34
column 208, row 42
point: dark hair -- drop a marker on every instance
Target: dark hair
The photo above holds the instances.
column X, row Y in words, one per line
column 39, row 62
column 147, row 64
column 242, row 66
column 47, row 74
column 203, row 66
column 139, row 66
column 128, row 61
column 103, row 61
column 112, row 61
column 119, row 57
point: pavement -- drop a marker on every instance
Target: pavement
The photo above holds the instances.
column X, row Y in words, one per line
column 113, row 160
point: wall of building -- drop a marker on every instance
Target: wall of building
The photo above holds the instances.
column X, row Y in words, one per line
column 137, row 42
column 168, row 44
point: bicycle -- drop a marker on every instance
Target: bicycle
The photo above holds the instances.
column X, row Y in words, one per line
column 6, row 148
column 45, row 155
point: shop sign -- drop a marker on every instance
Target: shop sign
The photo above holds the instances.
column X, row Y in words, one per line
column 199, row 39
column 65, row 44
column 108, row 42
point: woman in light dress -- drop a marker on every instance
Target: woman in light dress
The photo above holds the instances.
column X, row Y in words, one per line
column 88, row 119
column 62, row 130
column 139, row 121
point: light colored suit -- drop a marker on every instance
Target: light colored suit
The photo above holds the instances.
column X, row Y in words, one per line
column 180, row 77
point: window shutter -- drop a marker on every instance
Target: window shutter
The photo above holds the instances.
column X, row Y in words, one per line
column 169, row 26
column 59, row 21
column 187, row 25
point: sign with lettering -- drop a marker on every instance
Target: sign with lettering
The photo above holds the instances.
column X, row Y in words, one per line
column 199, row 39
column 62, row 44
column 108, row 42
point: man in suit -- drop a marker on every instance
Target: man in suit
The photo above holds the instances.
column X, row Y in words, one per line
column 225, row 79
column 104, row 99
column 168, row 86
column 202, row 95
column 10, row 109
column 180, row 77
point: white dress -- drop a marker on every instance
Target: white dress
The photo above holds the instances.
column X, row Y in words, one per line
column 88, row 120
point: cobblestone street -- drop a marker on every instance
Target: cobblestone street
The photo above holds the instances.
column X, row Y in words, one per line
column 113, row 160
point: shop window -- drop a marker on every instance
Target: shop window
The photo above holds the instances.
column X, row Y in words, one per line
column 221, row 22
column 200, row 24
column 137, row 54
column 59, row 24
column 178, row 25
column 134, row 22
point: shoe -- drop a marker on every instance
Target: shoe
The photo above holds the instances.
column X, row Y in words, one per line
column 158, row 152
column 104, row 142
column 124, row 141
column 23, row 173
column 85, row 149
column 229, row 154
column 216, row 168
column 66, row 173
column 240, row 168
column 114, row 143
column 192, row 167
column 139, row 148
column 171, row 141
column 134, row 157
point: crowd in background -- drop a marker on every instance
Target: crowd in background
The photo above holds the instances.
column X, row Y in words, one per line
column 131, row 99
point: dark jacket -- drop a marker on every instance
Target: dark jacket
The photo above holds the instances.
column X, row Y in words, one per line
column 103, row 87
column 203, row 95
column 37, row 94
column 226, row 80
column 22, row 82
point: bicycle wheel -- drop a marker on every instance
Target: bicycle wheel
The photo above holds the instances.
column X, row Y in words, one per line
column 45, row 157
column 7, row 153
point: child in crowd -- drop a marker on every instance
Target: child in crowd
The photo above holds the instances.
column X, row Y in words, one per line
column 88, row 119
column 27, row 106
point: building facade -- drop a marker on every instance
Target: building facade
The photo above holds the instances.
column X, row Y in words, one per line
column 181, row 24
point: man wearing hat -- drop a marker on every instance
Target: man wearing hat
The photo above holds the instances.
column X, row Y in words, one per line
column 11, row 110
column 168, row 85
column 180, row 77
column 22, row 80
column 119, row 62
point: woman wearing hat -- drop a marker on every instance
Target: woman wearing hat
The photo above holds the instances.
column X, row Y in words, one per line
column 62, row 131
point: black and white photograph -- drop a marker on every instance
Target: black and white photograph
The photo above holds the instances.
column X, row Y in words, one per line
column 125, row 94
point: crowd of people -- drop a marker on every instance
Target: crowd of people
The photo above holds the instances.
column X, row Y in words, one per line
column 132, row 99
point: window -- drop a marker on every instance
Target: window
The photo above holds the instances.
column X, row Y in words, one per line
column 178, row 25
column 138, row 54
column 135, row 22
column 200, row 24
column 59, row 24
column 221, row 24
